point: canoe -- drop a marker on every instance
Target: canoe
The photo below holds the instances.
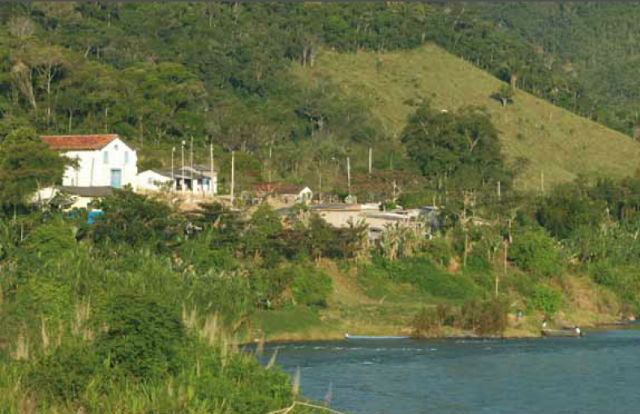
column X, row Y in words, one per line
column 569, row 332
column 348, row 336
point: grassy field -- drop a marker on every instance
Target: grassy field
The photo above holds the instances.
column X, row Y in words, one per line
column 556, row 143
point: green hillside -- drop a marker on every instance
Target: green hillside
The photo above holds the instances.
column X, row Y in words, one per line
column 537, row 136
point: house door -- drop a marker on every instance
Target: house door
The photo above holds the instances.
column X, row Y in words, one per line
column 116, row 178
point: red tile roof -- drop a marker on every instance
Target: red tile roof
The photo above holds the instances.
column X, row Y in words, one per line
column 78, row 142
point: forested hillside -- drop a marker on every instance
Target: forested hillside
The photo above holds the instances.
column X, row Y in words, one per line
column 594, row 43
column 161, row 73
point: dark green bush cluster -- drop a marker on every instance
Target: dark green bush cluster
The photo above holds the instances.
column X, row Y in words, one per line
column 533, row 250
column 484, row 318
column 545, row 299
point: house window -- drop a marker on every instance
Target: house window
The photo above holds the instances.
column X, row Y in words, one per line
column 105, row 157
column 126, row 157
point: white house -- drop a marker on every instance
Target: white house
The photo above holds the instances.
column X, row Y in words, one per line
column 197, row 180
column 102, row 160
column 153, row 180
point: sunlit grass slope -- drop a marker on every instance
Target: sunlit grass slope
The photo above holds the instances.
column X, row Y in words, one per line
column 555, row 142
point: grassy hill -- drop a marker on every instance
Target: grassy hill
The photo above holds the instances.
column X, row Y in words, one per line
column 554, row 141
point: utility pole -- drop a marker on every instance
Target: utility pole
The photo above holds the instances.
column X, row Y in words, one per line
column 270, row 149
column 193, row 187
column 182, row 171
column 348, row 176
column 370, row 158
column 232, row 174
column 211, row 166
column 173, row 180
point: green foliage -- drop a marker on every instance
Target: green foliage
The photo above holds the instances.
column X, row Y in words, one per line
column 311, row 286
column 64, row 374
column 143, row 336
column 483, row 318
column 504, row 95
column 135, row 219
column 51, row 239
column 546, row 299
column 533, row 250
column 260, row 236
column 26, row 164
column 462, row 146
column 421, row 273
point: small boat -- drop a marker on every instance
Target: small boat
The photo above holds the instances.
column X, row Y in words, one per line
column 565, row 332
column 349, row 336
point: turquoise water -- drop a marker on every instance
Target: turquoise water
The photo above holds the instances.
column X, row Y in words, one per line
column 595, row 374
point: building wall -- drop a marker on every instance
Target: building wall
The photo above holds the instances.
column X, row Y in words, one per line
column 151, row 180
column 94, row 170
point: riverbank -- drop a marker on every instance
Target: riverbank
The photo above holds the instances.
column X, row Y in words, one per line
column 350, row 310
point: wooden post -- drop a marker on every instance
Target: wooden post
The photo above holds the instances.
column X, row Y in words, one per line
column 211, row 190
column 499, row 191
column 370, row 159
column 232, row 173
column 348, row 176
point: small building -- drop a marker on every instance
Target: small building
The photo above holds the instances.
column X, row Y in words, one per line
column 154, row 180
column 197, row 180
column 101, row 160
column 284, row 192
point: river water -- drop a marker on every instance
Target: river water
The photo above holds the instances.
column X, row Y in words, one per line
column 598, row 373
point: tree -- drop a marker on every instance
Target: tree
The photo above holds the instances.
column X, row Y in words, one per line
column 461, row 146
column 27, row 164
column 135, row 219
column 504, row 95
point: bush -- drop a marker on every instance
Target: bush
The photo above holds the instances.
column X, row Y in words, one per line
column 487, row 317
column 143, row 336
column 311, row 286
column 534, row 251
column 427, row 324
column 48, row 240
column 423, row 274
column 64, row 374
column 546, row 299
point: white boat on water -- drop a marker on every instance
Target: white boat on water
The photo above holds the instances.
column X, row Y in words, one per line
column 349, row 336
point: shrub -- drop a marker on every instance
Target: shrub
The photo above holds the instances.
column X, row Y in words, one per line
column 427, row 323
column 546, row 299
column 423, row 274
column 64, row 374
column 48, row 240
column 534, row 251
column 143, row 336
column 311, row 286
column 487, row 317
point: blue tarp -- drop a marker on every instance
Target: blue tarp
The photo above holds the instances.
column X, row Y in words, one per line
column 93, row 215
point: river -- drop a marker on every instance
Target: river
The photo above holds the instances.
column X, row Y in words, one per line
column 594, row 374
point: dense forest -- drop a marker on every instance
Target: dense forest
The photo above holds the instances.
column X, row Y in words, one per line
column 593, row 43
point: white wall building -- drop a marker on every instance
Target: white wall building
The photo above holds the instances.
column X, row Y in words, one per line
column 197, row 180
column 102, row 160
column 152, row 180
